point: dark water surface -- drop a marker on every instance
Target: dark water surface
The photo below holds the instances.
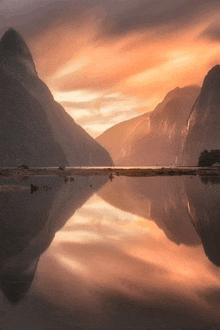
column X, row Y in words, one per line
column 90, row 253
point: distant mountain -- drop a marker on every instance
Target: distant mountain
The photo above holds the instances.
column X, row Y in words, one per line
column 35, row 129
column 155, row 137
column 202, row 130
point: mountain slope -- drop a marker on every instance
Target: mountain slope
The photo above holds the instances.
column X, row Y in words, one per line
column 155, row 137
column 202, row 130
column 35, row 129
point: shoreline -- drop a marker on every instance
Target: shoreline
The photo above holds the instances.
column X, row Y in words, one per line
column 109, row 171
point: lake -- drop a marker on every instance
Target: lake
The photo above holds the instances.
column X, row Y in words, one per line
column 110, row 253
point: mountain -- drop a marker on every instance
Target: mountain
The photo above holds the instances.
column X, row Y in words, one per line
column 202, row 130
column 36, row 130
column 155, row 137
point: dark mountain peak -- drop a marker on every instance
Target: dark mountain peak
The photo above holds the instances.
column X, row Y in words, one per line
column 212, row 79
column 214, row 71
column 35, row 129
column 210, row 92
column 12, row 44
column 202, row 128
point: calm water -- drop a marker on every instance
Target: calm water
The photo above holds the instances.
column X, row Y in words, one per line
column 132, row 253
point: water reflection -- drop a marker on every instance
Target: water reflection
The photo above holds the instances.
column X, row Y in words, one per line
column 160, row 199
column 174, row 204
column 212, row 179
column 32, row 211
column 204, row 210
column 124, row 273
column 129, row 258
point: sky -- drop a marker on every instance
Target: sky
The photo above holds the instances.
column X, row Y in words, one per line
column 107, row 61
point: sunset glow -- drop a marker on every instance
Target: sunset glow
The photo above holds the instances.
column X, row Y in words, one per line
column 87, row 53
column 109, row 164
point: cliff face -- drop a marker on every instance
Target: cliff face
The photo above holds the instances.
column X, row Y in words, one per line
column 35, row 129
column 202, row 130
column 153, row 138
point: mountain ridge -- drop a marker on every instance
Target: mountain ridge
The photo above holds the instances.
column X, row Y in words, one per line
column 155, row 137
column 202, row 129
column 36, row 130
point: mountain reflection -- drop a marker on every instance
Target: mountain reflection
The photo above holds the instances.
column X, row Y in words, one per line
column 212, row 179
column 183, row 207
column 118, row 270
column 160, row 199
column 107, row 268
column 204, row 210
column 30, row 217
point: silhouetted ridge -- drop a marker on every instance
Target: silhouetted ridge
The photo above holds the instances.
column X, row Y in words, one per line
column 212, row 79
column 211, row 87
column 36, row 130
column 202, row 130
column 13, row 44
column 214, row 71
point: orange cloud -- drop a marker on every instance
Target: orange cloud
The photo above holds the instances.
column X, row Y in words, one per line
column 138, row 49
column 136, row 64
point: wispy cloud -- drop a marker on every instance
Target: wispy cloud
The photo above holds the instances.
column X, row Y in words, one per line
column 100, row 114
column 139, row 49
column 211, row 33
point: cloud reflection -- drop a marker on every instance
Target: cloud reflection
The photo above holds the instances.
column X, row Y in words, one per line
column 103, row 253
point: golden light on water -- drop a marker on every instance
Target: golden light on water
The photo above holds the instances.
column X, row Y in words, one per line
column 105, row 249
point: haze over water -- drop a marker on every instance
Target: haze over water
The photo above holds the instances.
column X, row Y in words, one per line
column 138, row 253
